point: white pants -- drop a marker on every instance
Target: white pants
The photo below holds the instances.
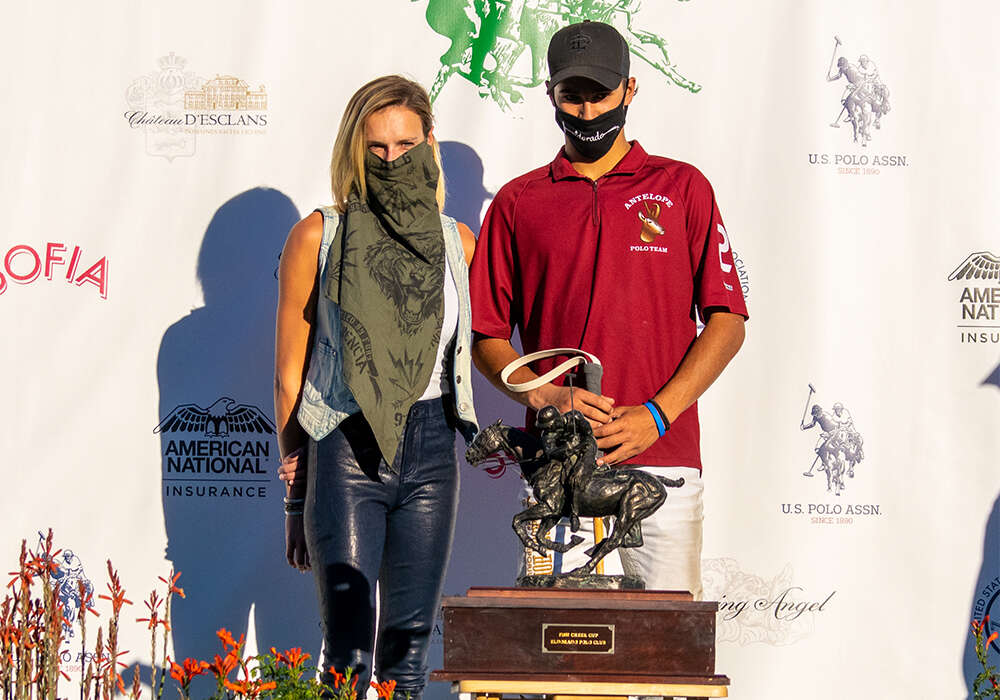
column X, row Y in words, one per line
column 670, row 557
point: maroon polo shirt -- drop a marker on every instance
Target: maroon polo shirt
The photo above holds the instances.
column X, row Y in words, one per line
column 617, row 267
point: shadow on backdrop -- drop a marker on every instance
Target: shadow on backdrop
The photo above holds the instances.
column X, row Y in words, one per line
column 986, row 595
column 993, row 379
column 222, row 503
column 463, row 175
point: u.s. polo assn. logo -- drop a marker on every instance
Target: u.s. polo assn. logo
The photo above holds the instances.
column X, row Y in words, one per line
column 837, row 454
column 862, row 110
column 75, row 589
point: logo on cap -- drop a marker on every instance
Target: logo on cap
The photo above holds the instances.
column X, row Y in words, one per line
column 579, row 41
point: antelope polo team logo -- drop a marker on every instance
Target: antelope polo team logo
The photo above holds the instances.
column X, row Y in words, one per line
column 979, row 300
column 649, row 206
column 863, row 104
column 217, row 452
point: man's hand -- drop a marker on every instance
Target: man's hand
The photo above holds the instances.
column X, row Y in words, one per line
column 295, row 543
column 595, row 408
column 491, row 355
column 631, row 431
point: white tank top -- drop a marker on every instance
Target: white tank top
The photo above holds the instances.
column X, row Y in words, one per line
column 440, row 382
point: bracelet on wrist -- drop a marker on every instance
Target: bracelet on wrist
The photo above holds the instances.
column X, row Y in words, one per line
column 293, row 512
column 659, row 417
column 663, row 415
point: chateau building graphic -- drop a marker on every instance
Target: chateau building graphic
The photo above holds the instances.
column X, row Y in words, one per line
column 225, row 92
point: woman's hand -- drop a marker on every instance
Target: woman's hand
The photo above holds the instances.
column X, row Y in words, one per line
column 296, row 551
column 293, row 470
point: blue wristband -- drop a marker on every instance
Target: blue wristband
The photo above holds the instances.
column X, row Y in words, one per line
column 660, row 427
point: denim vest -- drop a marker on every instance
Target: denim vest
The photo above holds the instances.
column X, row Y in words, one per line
column 326, row 399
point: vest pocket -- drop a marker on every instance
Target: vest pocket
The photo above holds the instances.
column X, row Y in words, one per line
column 322, row 370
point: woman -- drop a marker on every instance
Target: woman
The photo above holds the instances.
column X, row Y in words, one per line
column 372, row 379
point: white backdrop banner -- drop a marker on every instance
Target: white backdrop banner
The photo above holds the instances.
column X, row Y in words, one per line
column 156, row 154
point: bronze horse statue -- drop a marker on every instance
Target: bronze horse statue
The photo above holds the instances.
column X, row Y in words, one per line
column 561, row 467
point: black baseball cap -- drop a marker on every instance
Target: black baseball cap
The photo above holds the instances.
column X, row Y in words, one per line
column 588, row 49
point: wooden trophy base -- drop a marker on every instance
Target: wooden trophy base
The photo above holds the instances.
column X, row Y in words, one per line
column 556, row 641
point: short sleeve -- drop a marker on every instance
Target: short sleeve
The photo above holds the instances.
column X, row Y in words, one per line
column 716, row 282
column 491, row 275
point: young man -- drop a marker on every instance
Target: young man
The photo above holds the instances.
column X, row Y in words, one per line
column 612, row 251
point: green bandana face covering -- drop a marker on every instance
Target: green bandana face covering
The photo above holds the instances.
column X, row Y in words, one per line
column 387, row 275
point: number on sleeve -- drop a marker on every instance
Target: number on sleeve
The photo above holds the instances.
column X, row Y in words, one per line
column 724, row 248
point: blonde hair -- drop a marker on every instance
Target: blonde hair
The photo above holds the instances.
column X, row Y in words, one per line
column 347, row 165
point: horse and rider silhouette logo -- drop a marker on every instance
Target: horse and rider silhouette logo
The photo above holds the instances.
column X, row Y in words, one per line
column 221, row 418
column 75, row 589
column 500, row 46
column 865, row 99
column 839, row 447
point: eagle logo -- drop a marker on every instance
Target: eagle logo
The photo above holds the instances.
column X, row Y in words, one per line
column 982, row 265
column 217, row 421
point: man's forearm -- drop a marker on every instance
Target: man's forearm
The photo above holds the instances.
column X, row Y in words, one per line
column 491, row 355
column 707, row 357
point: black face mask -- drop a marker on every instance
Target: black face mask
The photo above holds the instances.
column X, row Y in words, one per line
column 592, row 138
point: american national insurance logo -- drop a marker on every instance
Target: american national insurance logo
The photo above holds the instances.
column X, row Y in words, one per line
column 219, row 451
column 172, row 106
column 978, row 278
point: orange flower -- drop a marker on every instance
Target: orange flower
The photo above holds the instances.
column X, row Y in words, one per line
column 176, row 671
column 385, row 689
column 249, row 689
column 293, row 657
column 991, row 638
column 116, row 589
column 171, row 582
column 338, row 677
column 227, row 638
column 152, row 621
column 223, row 667
column 186, row 673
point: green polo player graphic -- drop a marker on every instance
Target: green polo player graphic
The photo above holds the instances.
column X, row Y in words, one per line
column 500, row 45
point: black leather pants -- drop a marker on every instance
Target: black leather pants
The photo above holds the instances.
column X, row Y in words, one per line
column 365, row 522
